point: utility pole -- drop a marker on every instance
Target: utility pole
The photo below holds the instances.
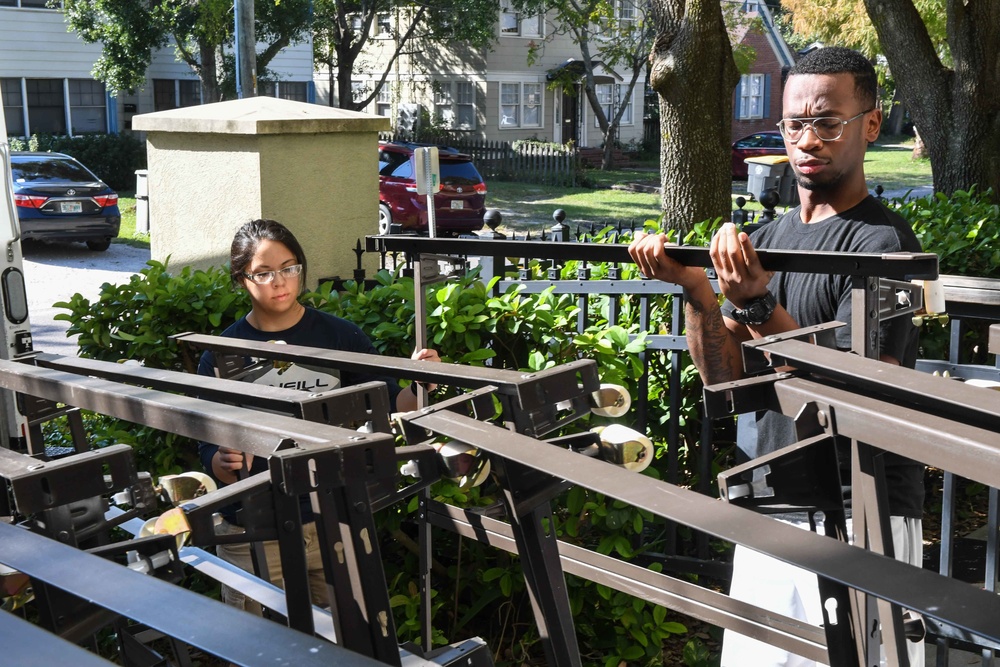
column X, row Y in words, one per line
column 246, row 49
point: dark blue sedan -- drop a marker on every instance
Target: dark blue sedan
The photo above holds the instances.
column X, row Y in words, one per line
column 58, row 199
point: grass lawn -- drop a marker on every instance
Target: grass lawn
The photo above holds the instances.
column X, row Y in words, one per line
column 527, row 206
column 127, row 233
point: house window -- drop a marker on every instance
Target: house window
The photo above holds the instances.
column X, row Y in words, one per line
column 751, row 100
column 46, row 106
column 625, row 12
column 383, row 103
column 520, row 105
column 384, row 25
column 50, row 102
column 443, row 110
column 173, row 94
column 36, row 4
column 515, row 24
column 465, row 105
column 455, row 104
column 164, row 95
column 611, row 98
column 188, row 93
column 13, row 106
column 359, row 90
column 356, row 23
column 285, row 90
column 87, row 107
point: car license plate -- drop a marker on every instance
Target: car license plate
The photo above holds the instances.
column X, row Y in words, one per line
column 457, row 203
column 71, row 207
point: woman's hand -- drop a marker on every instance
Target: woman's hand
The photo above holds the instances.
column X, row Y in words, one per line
column 227, row 462
column 425, row 354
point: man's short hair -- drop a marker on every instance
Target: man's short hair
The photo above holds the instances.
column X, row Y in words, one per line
column 840, row 60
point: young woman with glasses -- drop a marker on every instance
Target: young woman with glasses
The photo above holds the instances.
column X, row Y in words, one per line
column 268, row 262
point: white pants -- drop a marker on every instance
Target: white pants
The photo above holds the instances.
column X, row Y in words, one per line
column 791, row 591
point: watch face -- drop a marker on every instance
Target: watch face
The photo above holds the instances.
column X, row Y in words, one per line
column 757, row 311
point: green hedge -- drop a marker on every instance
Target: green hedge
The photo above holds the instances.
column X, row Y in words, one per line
column 113, row 157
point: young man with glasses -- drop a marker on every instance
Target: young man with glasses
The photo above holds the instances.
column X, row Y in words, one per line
column 830, row 116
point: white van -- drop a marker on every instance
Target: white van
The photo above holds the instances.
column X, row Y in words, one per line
column 15, row 334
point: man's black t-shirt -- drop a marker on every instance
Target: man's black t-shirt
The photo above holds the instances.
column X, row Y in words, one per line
column 817, row 298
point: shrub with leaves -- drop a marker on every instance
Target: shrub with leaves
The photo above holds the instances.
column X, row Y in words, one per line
column 964, row 231
column 135, row 320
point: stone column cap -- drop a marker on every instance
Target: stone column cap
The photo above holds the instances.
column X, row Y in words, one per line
column 258, row 116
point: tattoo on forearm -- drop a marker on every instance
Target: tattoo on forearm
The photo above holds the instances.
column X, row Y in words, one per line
column 709, row 341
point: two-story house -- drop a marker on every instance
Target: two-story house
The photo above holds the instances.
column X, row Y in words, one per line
column 48, row 87
column 494, row 94
column 757, row 99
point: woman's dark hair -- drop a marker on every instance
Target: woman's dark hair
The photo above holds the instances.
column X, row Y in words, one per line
column 840, row 60
column 249, row 236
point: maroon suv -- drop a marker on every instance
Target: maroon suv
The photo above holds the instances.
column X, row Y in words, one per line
column 459, row 206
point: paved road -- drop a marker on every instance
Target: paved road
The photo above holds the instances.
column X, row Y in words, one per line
column 55, row 272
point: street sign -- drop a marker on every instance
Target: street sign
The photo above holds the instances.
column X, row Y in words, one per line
column 428, row 174
column 428, row 178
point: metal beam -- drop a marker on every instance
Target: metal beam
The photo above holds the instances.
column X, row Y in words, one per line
column 27, row 644
column 361, row 402
column 957, row 401
column 230, row 426
column 189, row 617
column 954, row 602
column 901, row 266
column 684, row 597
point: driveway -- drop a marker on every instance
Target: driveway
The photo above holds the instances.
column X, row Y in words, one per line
column 55, row 272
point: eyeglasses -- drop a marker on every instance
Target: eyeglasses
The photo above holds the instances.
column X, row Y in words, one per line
column 264, row 277
column 825, row 129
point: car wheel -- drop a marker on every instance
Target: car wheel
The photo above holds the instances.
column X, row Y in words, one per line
column 99, row 245
column 384, row 220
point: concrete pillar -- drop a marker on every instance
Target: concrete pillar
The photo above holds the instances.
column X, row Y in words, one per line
column 215, row 166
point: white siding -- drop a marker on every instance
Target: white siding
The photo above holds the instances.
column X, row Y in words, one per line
column 34, row 43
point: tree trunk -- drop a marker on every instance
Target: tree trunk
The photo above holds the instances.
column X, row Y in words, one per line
column 209, row 73
column 957, row 110
column 694, row 73
column 345, row 68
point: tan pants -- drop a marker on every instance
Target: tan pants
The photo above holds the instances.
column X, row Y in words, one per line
column 239, row 555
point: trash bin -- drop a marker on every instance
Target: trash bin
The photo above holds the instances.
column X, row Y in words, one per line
column 142, row 201
column 768, row 172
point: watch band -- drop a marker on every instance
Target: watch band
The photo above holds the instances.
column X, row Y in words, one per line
column 756, row 311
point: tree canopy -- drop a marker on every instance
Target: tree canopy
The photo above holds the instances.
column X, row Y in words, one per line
column 342, row 29
column 129, row 31
column 846, row 22
column 945, row 58
column 616, row 33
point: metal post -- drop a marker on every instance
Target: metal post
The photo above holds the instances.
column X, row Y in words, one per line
column 429, row 181
column 246, row 50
